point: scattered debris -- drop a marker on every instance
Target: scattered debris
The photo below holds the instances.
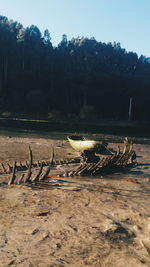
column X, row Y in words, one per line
column 44, row 213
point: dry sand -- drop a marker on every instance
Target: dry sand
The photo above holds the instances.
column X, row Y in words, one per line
column 102, row 221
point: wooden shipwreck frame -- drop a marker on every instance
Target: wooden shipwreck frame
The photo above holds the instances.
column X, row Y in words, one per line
column 89, row 163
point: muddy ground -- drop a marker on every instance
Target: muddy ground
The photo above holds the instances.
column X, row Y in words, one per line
column 80, row 221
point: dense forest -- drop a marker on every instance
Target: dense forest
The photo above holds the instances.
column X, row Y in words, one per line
column 80, row 77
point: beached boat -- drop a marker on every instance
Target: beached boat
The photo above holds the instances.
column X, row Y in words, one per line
column 80, row 144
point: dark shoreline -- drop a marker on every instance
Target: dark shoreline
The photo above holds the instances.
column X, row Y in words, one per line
column 133, row 129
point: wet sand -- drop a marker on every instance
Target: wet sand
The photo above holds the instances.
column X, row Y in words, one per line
column 79, row 221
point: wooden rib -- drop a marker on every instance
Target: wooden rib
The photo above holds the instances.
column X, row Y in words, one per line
column 29, row 173
column 38, row 174
column 21, row 178
column 101, row 166
column 9, row 169
column 74, row 172
column 48, row 162
column 3, row 168
column 13, row 177
column 21, row 166
column 38, row 163
column 34, row 165
column 27, row 164
column 52, row 157
column 49, row 167
column 30, row 156
column 46, row 173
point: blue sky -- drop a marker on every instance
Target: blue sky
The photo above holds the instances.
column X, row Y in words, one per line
column 124, row 21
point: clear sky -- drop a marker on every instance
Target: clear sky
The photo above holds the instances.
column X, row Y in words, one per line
column 124, row 21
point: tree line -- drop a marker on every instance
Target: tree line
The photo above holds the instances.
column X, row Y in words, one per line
column 79, row 77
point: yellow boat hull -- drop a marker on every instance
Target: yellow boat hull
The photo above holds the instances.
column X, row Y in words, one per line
column 82, row 145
